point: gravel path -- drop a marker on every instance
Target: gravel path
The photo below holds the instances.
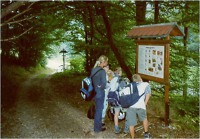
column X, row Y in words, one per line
column 40, row 113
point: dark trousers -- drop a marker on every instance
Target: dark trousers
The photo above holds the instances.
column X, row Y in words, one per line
column 99, row 101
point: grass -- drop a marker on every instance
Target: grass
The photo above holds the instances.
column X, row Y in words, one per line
column 68, row 86
column 186, row 112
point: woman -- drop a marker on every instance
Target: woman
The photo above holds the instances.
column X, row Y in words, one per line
column 99, row 82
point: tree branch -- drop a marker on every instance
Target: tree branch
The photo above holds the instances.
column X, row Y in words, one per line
column 7, row 21
column 11, row 7
column 16, row 37
column 17, row 21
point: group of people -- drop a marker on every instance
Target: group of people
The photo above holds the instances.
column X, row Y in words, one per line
column 102, row 82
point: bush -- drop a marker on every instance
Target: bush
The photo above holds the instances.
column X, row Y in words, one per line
column 186, row 111
column 11, row 78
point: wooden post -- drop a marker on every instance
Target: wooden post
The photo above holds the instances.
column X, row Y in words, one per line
column 63, row 61
column 167, row 83
column 63, row 51
column 136, row 63
column 166, row 105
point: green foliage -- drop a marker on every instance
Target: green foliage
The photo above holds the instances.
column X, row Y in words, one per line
column 185, row 111
column 11, row 78
column 182, row 73
column 193, row 81
column 80, row 24
column 76, row 64
column 27, row 48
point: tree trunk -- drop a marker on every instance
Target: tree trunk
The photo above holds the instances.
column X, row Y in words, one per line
column 156, row 12
column 185, row 87
column 91, row 35
column 140, row 15
column 112, row 45
column 86, row 51
column 140, row 12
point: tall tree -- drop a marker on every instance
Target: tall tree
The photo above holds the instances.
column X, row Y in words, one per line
column 185, row 77
column 112, row 44
column 140, row 12
column 156, row 12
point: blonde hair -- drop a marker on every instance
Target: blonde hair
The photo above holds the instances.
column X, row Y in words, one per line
column 110, row 75
column 101, row 59
column 137, row 78
column 118, row 70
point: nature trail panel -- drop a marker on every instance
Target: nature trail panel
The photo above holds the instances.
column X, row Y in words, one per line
column 152, row 54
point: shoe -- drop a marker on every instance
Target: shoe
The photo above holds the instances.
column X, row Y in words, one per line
column 103, row 129
column 147, row 135
column 126, row 131
column 117, row 130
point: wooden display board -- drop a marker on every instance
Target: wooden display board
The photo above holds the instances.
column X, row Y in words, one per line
column 152, row 60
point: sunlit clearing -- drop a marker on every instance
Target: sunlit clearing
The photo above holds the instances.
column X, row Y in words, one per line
column 55, row 63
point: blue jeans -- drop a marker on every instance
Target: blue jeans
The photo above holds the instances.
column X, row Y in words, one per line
column 99, row 101
column 105, row 104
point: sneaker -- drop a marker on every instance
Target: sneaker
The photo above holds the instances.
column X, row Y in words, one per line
column 103, row 129
column 117, row 130
column 147, row 135
column 126, row 130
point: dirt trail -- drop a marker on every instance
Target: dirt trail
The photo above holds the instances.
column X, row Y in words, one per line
column 40, row 113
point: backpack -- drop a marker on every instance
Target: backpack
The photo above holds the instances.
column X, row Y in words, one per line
column 113, row 96
column 87, row 90
column 91, row 112
column 129, row 95
column 113, row 99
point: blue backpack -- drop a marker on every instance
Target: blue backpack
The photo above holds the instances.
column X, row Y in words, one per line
column 129, row 95
column 87, row 90
column 113, row 99
column 113, row 96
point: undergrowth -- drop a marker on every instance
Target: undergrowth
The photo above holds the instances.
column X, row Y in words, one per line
column 11, row 78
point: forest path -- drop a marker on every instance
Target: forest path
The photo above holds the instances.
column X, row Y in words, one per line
column 41, row 113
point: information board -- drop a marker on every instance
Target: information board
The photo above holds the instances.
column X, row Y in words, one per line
column 151, row 60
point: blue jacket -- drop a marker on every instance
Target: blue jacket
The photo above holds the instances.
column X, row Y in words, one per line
column 99, row 79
